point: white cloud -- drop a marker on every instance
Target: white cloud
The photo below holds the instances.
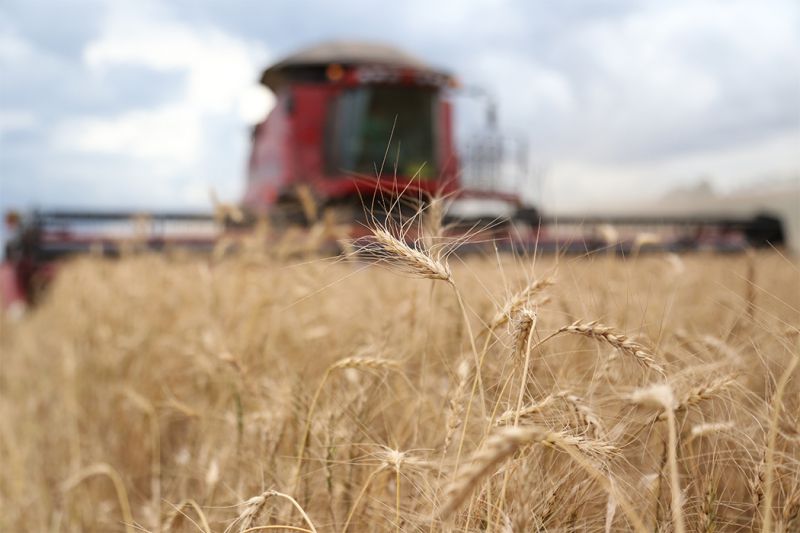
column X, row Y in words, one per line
column 680, row 70
column 15, row 120
column 597, row 186
column 478, row 19
column 175, row 137
column 172, row 134
column 13, row 49
column 536, row 88
column 219, row 67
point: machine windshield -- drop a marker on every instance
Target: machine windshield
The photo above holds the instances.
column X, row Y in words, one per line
column 362, row 125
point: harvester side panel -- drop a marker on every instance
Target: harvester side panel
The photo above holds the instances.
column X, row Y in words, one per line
column 310, row 104
column 271, row 164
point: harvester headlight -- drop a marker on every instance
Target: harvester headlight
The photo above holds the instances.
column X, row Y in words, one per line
column 334, row 72
column 12, row 219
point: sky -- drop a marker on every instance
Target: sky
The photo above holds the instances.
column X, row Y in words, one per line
column 148, row 104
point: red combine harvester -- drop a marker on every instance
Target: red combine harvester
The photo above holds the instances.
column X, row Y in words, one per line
column 352, row 121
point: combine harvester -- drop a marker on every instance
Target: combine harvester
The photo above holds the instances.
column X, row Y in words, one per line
column 323, row 149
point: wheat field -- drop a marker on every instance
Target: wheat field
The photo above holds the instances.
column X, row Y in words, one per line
column 406, row 391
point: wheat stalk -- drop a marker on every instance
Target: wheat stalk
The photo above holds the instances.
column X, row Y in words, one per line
column 790, row 514
column 369, row 363
column 432, row 221
column 178, row 511
column 147, row 407
column 423, row 262
column 104, row 469
column 360, row 496
column 524, row 328
column 772, row 435
column 662, row 397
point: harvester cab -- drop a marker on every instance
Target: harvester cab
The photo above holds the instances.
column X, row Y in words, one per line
column 353, row 120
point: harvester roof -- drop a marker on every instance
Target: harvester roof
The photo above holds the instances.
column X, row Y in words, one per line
column 345, row 53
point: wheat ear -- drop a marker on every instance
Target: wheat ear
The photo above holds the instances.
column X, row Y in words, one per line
column 705, row 390
column 394, row 253
column 518, row 301
column 506, row 441
column 252, row 508
column 585, row 414
column 528, row 410
column 609, row 335
column 455, row 410
column 523, row 332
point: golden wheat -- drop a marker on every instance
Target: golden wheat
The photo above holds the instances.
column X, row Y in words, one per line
column 161, row 393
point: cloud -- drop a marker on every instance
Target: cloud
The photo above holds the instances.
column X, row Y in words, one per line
column 12, row 120
column 685, row 76
column 173, row 139
column 586, row 184
column 171, row 134
column 218, row 67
